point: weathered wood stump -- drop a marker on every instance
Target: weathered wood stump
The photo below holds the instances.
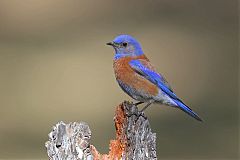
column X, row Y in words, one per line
column 134, row 139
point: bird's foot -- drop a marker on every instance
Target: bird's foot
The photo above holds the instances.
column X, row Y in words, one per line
column 145, row 107
column 136, row 104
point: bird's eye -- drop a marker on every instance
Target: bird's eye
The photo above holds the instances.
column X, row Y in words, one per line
column 124, row 44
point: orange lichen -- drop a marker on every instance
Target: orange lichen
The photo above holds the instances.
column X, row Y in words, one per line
column 116, row 147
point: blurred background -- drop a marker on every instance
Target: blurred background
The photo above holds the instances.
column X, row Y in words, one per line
column 54, row 65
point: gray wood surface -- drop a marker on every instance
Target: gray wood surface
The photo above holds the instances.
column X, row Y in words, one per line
column 134, row 138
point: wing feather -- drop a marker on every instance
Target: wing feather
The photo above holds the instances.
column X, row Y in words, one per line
column 145, row 69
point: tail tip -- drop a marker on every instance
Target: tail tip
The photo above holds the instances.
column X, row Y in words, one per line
column 199, row 119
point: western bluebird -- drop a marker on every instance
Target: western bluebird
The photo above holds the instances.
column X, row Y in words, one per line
column 139, row 79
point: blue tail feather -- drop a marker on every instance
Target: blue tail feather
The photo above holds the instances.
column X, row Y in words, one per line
column 187, row 110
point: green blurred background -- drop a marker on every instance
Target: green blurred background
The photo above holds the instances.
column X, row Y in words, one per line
column 54, row 65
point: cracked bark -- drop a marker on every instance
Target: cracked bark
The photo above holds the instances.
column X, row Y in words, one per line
column 134, row 138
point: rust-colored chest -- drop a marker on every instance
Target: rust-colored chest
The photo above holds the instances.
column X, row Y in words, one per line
column 127, row 75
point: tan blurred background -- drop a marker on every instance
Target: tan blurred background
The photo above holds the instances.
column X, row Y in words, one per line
column 54, row 65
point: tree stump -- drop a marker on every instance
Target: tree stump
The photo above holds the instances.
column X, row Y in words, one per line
column 134, row 138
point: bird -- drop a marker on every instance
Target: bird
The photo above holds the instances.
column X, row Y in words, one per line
column 139, row 79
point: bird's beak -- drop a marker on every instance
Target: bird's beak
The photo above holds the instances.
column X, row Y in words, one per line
column 110, row 43
column 113, row 44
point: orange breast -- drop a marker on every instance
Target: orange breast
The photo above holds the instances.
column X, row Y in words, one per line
column 128, row 76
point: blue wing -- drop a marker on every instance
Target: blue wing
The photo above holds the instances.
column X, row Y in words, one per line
column 145, row 69
column 152, row 76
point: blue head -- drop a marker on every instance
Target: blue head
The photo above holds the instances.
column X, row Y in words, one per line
column 126, row 46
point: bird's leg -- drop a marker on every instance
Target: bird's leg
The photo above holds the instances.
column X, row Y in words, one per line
column 145, row 107
column 136, row 104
